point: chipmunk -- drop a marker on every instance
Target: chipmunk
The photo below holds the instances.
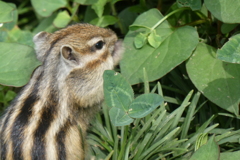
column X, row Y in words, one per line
column 49, row 118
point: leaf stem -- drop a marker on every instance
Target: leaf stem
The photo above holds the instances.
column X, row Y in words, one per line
column 116, row 139
column 167, row 16
column 74, row 11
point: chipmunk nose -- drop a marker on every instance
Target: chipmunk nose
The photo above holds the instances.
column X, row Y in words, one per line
column 118, row 47
column 118, row 51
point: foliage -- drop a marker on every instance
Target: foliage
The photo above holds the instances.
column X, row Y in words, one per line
column 219, row 80
column 24, row 62
column 119, row 94
column 208, row 151
column 230, row 50
column 6, row 95
column 159, row 135
column 173, row 49
column 162, row 59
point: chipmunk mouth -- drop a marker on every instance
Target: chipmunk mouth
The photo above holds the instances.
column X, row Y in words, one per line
column 118, row 51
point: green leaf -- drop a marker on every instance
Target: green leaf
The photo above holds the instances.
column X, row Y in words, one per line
column 46, row 25
column 117, row 91
column 62, row 19
column 217, row 80
column 119, row 117
column 10, row 25
column 17, row 63
column 154, row 40
column 144, row 104
column 104, row 21
column 86, row 2
column 126, row 18
column 46, row 7
column 2, row 97
column 176, row 46
column 140, row 40
column 193, row 4
column 6, row 12
column 201, row 140
column 9, row 95
column 226, row 28
column 99, row 7
column 230, row 155
column 207, row 151
column 19, row 36
column 89, row 14
column 230, row 52
column 3, row 35
column 226, row 11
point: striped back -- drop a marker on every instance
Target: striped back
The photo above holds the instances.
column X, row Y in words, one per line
column 49, row 118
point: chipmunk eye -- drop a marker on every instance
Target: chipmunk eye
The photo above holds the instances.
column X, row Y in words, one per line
column 99, row 45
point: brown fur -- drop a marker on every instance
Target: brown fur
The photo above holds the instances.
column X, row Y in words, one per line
column 49, row 118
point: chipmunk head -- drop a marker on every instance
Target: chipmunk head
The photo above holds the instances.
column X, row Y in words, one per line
column 77, row 56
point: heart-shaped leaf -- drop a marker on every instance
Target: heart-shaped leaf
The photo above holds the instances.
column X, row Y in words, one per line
column 46, row 7
column 119, row 96
column 139, row 108
column 17, row 63
column 226, row 11
column 217, row 80
column 176, row 46
column 119, row 117
column 117, row 91
column 18, row 36
column 62, row 19
column 6, row 12
column 230, row 52
column 144, row 104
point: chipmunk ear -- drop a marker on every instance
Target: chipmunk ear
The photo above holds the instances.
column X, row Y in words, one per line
column 68, row 54
column 41, row 36
column 39, row 40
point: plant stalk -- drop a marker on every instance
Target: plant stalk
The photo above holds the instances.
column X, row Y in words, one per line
column 167, row 16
